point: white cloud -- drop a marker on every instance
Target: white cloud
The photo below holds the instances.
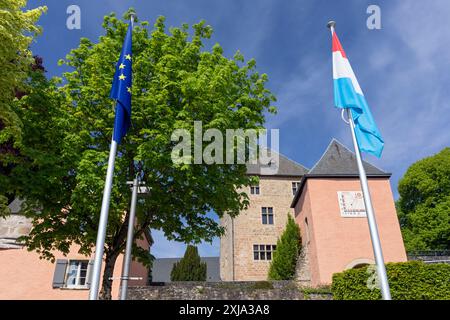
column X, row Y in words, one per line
column 404, row 70
column 411, row 86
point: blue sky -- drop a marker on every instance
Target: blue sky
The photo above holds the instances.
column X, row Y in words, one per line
column 403, row 69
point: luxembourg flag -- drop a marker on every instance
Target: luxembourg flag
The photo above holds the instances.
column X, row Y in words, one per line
column 348, row 94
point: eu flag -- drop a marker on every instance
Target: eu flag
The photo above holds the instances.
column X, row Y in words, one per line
column 121, row 89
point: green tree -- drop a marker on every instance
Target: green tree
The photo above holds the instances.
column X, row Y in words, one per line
column 175, row 81
column 17, row 29
column 424, row 203
column 190, row 267
column 285, row 256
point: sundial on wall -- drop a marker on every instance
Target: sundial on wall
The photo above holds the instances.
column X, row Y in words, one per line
column 351, row 204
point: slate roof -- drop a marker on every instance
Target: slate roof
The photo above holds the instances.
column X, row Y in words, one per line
column 286, row 166
column 162, row 268
column 338, row 161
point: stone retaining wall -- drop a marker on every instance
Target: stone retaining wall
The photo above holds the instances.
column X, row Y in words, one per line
column 259, row 290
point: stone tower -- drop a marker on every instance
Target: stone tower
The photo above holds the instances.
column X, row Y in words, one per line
column 250, row 239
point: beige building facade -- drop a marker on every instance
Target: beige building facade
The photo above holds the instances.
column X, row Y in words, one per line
column 250, row 238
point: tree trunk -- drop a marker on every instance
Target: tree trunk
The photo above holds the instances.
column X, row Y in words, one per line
column 110, row 261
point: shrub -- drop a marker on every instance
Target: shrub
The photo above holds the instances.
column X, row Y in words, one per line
column 190, row 267
column 413, row 280
column 286, row 254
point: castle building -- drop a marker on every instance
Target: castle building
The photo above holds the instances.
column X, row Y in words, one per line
column 327, row 204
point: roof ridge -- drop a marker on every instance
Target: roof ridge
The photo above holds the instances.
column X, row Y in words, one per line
column 285, row 166
column 323, row 154
column 286, row 157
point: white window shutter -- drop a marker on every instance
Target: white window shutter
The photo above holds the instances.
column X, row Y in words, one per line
column 89, row 273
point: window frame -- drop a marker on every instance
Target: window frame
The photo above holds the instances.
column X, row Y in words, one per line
column 263, row 250
column 266, row 214
column 295, row 185
column 255, row 190
column 77, row 284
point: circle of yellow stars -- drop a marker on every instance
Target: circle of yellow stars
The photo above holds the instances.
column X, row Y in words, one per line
column 121, row 67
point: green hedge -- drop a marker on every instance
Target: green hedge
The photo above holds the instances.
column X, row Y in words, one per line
column 413, row 280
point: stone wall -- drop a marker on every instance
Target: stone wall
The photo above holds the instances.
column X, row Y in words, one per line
column 302, row 269
column 254, row 290
column 236, row 255
column 429, row 258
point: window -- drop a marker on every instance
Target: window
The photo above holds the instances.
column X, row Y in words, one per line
column 254, row 190
column 263, row 251
column 267, row 215
column 76, row 273
column 295, row 186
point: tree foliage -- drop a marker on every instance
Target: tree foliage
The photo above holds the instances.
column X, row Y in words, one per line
column 190, row 267
column 424, row 203
column 17, row 30
column 285, row 256
column 175, row 81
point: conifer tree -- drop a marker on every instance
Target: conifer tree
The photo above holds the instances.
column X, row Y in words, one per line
column 287, row 252
column 190, row 267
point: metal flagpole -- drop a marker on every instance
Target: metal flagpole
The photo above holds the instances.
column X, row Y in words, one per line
column 101, row 233
column 129, row 245
column 376, row 245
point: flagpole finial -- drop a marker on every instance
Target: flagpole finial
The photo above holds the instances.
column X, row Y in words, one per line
column 331, row 24
column 132, row 18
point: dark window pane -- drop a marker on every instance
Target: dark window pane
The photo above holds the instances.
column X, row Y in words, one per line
column 269, row 255
column 274, row 247
column 264, row 219
column 257, row 190
column 261, row 247
column 264, row 210
column 268, row 247
column 262, row 255
column 255, row 256
column 255, row 247
column 270, row 210
column 271, row 219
